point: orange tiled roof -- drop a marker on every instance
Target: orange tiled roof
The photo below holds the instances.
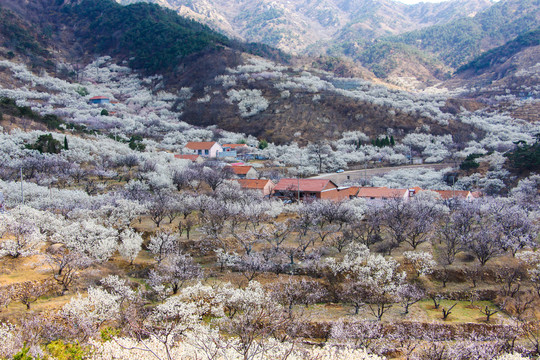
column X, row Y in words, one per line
column 381, row 192
column 233, row 145
column 307, row 185
column 351, row 190
column 200, row 145
column 99, row 98
column 241, row 170
column 449, row 194
column 258, row 184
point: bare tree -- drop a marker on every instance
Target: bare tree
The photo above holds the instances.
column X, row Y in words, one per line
column 66, row 264
column 484, row 242
column 174, row 271
column 453, row 229
column 294, row 292
column 163, row 243
column 250, row 266
column 447, row 312
column 409, row 295
column 216, row 176
column 518, row 231
column 488, row 312
column 395, row 216
column 509, row 278
column 363, row 334
column 28, row 292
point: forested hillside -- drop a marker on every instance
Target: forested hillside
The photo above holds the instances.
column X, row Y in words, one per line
column 502, row 53
column 460, row 41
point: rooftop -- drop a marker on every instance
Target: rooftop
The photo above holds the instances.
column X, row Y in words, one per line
column 450, row 194
column 381, row 192
column 253, row 183
column 241, row 170
column 307, row 185
column 233, row 145
column 200, row 145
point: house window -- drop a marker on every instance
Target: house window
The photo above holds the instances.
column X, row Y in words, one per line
column 205, row 152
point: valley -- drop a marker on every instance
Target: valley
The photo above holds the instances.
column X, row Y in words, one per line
column 269, row 180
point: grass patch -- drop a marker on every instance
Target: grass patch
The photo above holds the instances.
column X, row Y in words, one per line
column 463, row 312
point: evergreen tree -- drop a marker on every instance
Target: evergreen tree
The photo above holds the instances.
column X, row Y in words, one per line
column 66, row 147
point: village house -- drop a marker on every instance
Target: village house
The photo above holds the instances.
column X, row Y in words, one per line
column 263, row 185
column 349, row 192
column 245, row 171
column 455, row 194
column 302, row 189
column 99, row 100
column 233, row 147
column 204, row 148
column 192, row 157
column 382, row 193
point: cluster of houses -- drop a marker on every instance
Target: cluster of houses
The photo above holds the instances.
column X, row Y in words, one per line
column 198, row 150
column 301, row 189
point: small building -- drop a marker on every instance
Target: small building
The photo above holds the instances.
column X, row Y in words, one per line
column 245, row 171
column 233, row 147
column 204, row 148
column 192, row 157
column 382, row 193
column 262, row 185
column 99, row 100
column 455, row 194
column 302, row 189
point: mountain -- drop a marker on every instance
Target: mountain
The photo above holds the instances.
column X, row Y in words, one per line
column 145, row 36
column 457, row 42
column 218, row 80
column 509, row 72
column 425, row 42
column 499, row 55
column 303, row 26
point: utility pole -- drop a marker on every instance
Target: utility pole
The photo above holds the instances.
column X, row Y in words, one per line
column 22, row 190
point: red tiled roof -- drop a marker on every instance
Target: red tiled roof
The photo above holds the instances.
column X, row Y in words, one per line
column 381, row 192
column 241, row 170
column 200, row 145
column 233, row 145
column 351, row 190
column 449, row 194
column 258, row 184
column 99, row 98
column 187, row 157
column 307, row 185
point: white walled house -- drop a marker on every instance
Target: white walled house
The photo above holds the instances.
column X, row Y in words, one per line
column 204, row 148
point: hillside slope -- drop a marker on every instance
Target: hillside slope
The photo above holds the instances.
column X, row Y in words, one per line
column 313, row 26
column 216, row 83
column 460, row 41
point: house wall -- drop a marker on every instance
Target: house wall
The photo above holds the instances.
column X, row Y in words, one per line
column 214, row 150
column 331, row 194
column 268, row 188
